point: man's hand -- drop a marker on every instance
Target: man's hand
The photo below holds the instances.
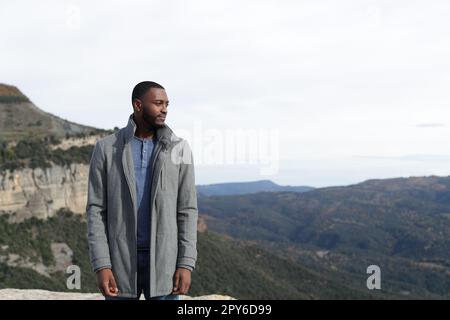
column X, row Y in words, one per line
column 106, row 282
column 181, row 281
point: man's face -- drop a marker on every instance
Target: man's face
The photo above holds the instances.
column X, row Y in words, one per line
column 153, row 107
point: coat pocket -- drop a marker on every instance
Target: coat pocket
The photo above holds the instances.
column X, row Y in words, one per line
column 168, row 179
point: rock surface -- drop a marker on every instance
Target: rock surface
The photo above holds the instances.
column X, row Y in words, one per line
column 41, row 193
column 33, row 294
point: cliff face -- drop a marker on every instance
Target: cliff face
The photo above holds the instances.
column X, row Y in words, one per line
column 27, row 192
column 40, row 192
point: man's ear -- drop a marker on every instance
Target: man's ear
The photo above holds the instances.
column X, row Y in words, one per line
column 137, row 105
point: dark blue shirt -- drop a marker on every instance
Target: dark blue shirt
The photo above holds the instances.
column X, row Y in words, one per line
column 142, row 150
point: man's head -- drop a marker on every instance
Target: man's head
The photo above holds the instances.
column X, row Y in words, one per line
column 150, row 104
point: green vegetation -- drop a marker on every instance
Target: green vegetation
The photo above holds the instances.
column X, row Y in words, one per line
column 10, row 94
column 87, row 134
column 37, row 153
column 27, row 132
column 225, row 266
column 13, row 99
column 24, row 278
column 20, row 119
column 32, row 238
column 402, row 225
column 246, row 271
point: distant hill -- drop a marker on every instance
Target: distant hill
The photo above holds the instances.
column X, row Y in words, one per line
column 20, row 118
column 236, row 188
column 402, row 225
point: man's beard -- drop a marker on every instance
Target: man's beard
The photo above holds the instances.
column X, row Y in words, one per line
column 150, row 121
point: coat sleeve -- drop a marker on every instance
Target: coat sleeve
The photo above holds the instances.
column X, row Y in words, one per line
column 187, row 211
column 96, row 211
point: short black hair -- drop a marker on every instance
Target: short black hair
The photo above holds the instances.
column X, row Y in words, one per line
column 142, row 87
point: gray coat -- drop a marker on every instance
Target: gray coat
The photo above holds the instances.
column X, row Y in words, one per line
column 112, row 210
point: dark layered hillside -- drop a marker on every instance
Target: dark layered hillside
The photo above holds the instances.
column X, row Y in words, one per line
column 403, row 225
column 20, row 119
column 225, row 266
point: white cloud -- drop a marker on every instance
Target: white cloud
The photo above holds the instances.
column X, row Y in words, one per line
column 337, row 78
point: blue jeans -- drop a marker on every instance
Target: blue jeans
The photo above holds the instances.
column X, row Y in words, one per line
column 143, row 281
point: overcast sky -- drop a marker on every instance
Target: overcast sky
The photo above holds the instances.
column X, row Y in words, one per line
column 338, row 91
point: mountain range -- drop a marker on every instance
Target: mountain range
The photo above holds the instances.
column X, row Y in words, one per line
column 235, row 188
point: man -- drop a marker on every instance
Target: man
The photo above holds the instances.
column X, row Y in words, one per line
column 142, row 205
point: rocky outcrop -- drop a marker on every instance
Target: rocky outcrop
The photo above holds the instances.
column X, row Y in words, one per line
column 208, row 297
column 19, row 294
column 61, row 252
column 41, row 193
column 201, row 224
column 76, row 142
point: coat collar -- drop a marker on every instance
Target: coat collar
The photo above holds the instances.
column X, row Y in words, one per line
column 164, row 135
